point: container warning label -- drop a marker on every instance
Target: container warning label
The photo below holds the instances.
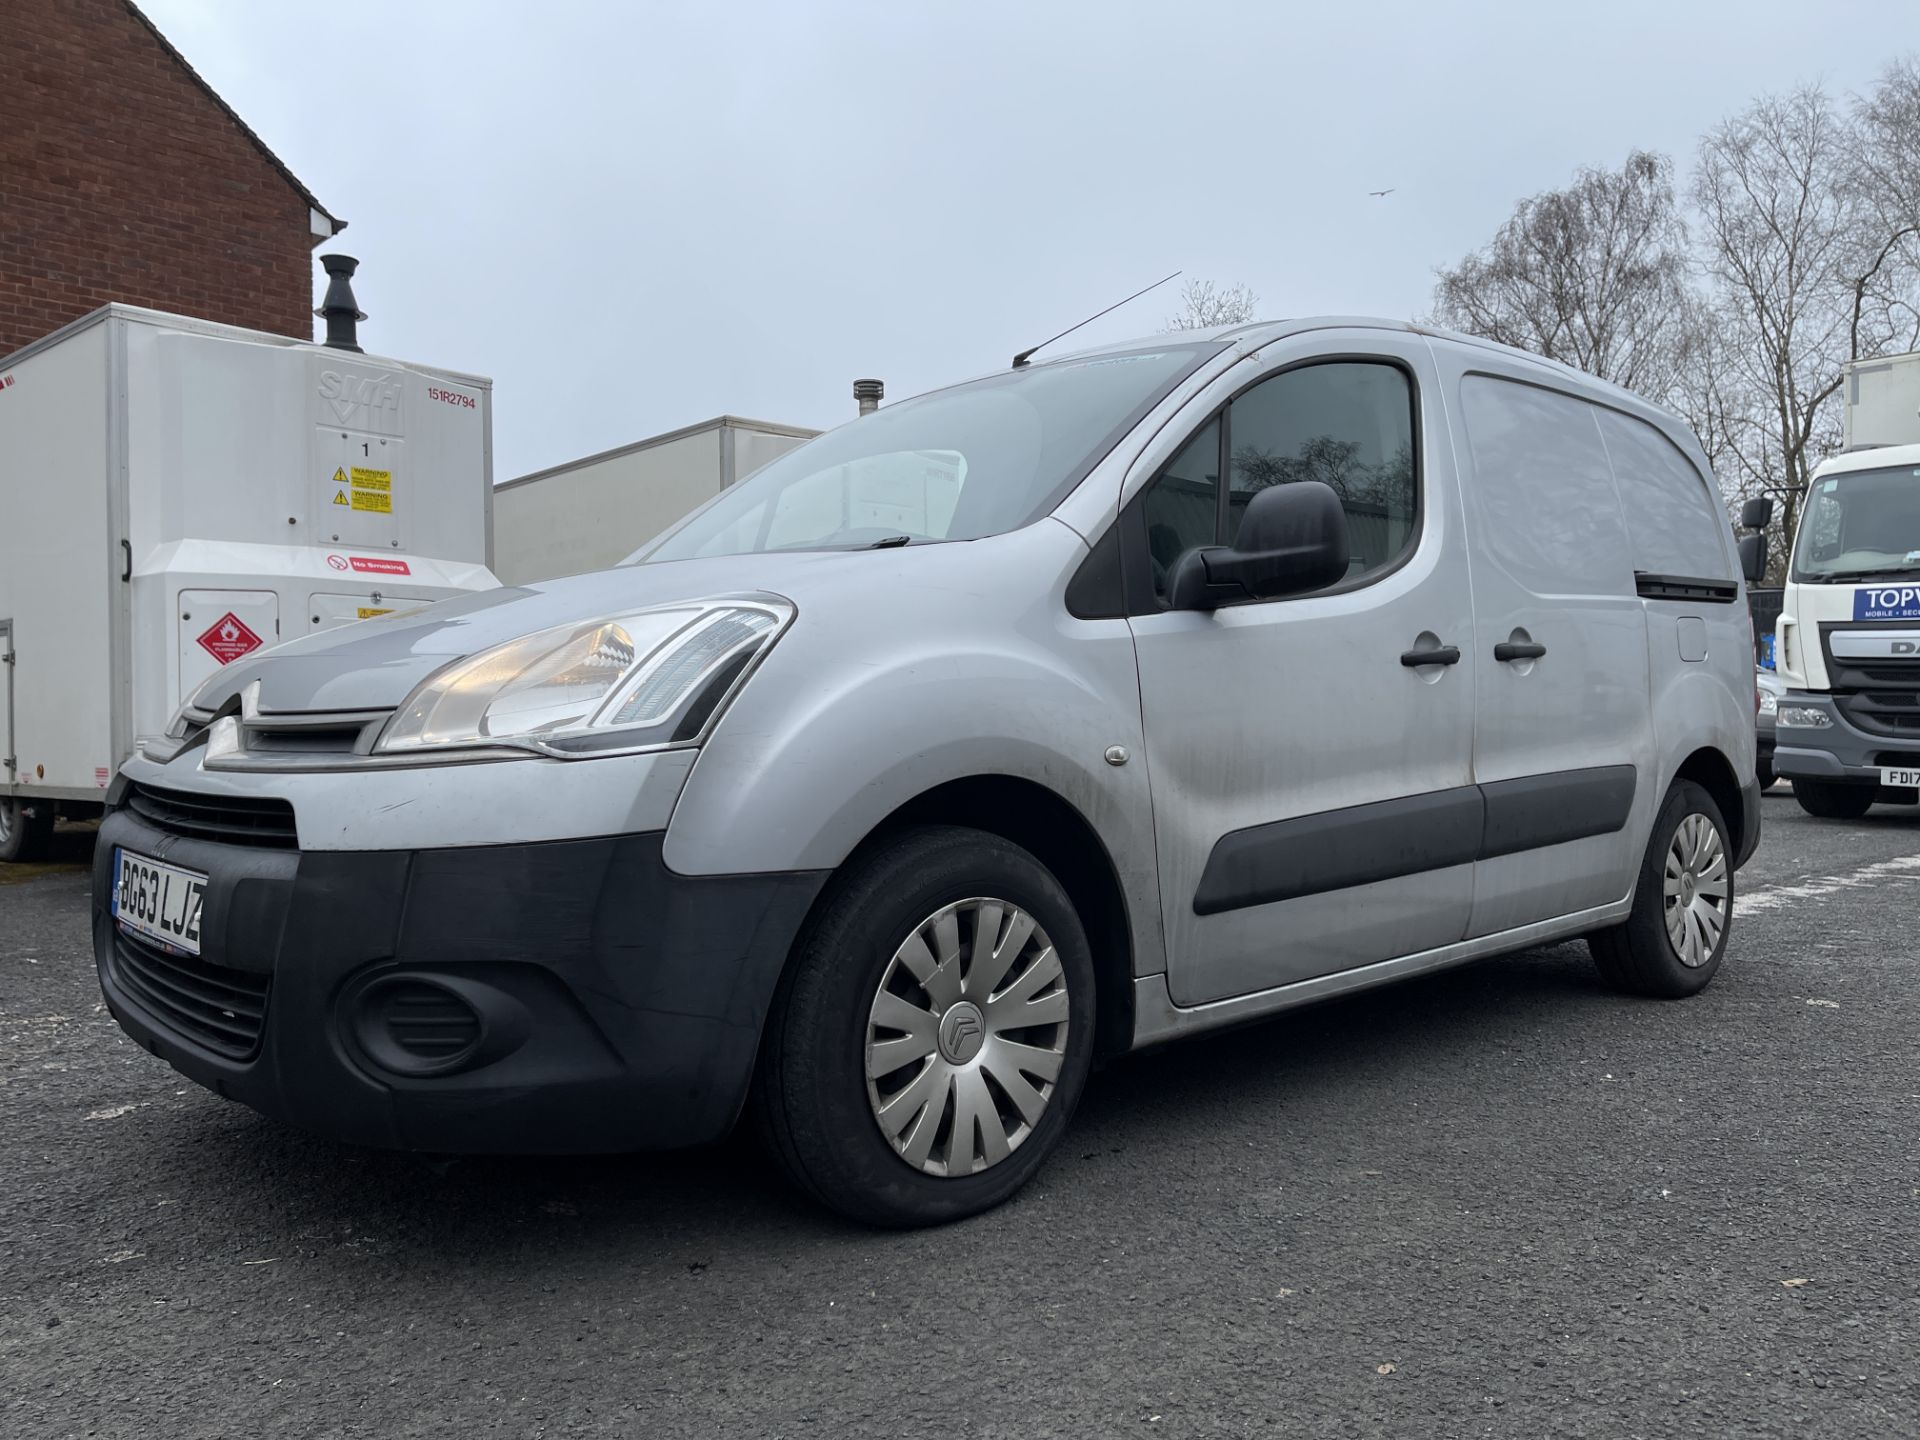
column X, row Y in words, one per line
column 361, row 487
column 228, row 638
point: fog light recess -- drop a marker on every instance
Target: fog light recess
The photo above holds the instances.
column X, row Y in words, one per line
column 415, row 1027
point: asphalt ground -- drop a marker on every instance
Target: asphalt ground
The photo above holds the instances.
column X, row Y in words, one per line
column 1497, row 1201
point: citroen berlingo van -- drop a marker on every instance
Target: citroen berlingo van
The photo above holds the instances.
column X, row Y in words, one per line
column 1078, row 708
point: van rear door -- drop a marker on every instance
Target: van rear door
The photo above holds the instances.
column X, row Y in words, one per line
column 1563, row 746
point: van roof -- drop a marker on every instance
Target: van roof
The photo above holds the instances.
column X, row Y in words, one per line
column 1264, row 332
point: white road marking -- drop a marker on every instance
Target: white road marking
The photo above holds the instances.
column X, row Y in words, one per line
column 1902, row 869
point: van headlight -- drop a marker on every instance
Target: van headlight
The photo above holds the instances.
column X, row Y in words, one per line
column 639, row 681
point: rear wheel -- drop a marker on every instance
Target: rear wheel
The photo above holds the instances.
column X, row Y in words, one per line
column 1763, row 772
column 934, row 1031
column 23, row 836
column 1834, row 802
column 1673, row 941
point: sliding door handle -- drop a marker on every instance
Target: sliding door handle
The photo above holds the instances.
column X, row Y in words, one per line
column 1438, row 655
column 1519, row 650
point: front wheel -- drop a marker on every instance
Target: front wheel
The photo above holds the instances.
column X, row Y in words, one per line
column 1833, row 802
column 933, row 1033
column 1676, row 935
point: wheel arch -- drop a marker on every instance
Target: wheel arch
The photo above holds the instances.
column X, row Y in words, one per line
column 1054, row 832
column 1713, row 772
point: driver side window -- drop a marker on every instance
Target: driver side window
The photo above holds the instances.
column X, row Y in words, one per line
column 1346, row 423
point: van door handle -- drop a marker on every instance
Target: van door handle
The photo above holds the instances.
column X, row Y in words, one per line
column 1439, row 655
column 1518, row 650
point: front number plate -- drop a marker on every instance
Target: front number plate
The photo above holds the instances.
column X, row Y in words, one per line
column 157, row 900
column 1900, row 777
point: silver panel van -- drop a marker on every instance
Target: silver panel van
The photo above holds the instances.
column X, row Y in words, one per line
column 1073, row 709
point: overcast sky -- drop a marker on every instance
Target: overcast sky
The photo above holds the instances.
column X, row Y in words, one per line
column 635, row 216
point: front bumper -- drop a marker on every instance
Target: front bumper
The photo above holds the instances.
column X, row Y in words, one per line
column 614, row 1004
column 1840, row 751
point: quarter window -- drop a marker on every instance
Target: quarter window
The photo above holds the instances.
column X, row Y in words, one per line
column 1182, row 507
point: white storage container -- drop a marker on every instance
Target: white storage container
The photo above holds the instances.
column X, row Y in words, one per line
column 176, row 494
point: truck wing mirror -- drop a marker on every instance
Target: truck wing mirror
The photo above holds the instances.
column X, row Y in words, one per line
column 1756, row 513
column 1293, row 539
column 1753, row 556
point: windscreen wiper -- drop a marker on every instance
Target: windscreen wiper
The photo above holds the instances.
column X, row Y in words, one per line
column 1849, row 577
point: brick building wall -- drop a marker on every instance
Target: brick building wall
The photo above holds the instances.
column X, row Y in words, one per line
column 123, row 177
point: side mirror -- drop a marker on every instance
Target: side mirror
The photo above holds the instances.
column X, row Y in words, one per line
column 1753, row 553
column 1293, row 539
column 1756, row 513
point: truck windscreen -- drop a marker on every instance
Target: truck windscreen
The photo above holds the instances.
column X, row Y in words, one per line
column 973, row 460
column 1863, row 525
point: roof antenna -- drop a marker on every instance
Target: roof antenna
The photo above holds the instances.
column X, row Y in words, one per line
column 1025, row 355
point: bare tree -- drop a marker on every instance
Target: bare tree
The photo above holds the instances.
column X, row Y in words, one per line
column 1811, row 269
column 1202, row 306
column 1595, row 275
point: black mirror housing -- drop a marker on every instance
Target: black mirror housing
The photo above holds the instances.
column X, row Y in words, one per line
column 1756, row 513
column 1292, row 540
column 1753, row 556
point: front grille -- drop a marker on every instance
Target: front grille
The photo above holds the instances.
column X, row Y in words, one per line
column 1883, row 712
column 1899, row 759
column 221, row 1008
column 236, row 820
column 428, row 1022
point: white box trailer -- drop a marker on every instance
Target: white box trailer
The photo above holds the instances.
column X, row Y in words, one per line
column 176, row 494
column 592, row 513
column 1882, row 402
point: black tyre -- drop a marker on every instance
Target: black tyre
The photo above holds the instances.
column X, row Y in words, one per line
column 24, row 837
column 1763, row 772
column 1834, row 802
column 1672, row 943
column 933, row 1032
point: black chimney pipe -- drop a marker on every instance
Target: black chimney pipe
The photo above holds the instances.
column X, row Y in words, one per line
column 338, row 308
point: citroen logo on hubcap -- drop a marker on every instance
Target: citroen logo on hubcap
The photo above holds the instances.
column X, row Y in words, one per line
column 963, row 1030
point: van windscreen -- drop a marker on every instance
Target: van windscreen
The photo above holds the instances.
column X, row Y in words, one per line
column 973, row 460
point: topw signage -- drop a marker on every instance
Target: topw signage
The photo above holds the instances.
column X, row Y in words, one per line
column 364, row 400
column 1886, row 602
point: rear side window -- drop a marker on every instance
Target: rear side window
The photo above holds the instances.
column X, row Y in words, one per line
column 1675, row 523
column 1550, row 515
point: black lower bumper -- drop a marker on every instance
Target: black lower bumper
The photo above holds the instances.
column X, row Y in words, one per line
column 574, row 996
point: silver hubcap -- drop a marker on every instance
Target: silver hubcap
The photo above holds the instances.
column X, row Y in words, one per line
column 1696, row 890
column 6, row 820
column 966, row 1037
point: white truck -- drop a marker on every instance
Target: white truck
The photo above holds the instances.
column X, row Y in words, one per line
column 175, row 495
column 1847, row 646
